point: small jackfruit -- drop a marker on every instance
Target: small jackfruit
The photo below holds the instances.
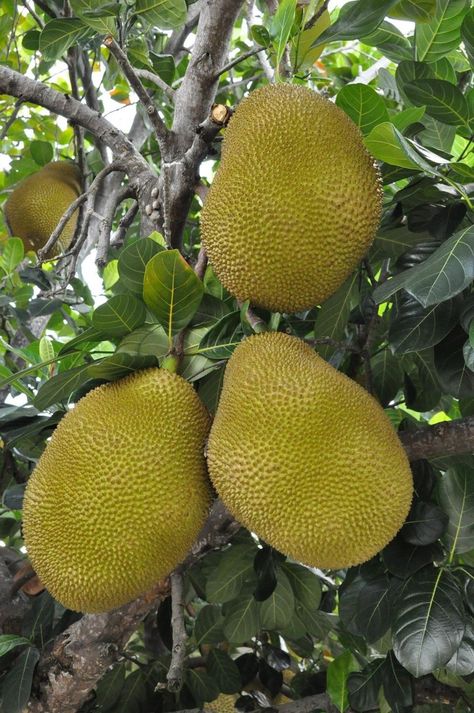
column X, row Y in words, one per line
column 120, row 492
column 295, row 203
column 305, row 457
column 37, row 204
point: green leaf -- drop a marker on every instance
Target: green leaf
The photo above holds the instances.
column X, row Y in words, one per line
column 409, row 71
column 456, row 497
column 397, row 684
column 357, row 19
column 387, row 144
column 223, row 671
column 100, row 19
column 42, row 152
column 210, row 390
column 428, row 625
column 332, row 318
column 133, row 694
column 436, row 38
column 414, row 327
column 118, row 365
column 60, row 387
column 305, row 584
column 172, row 291
column 201, row 685
column 58, row 35
column 448, row 271
column 208, row 627
column 241, row 619
column 317, row 623
column 403, row 119
column 390, row 41
column 226, row 580
column 165, row 14
column 387, row 376
column 364, row 607
column 84, row 340
column 277, row 610
column 221, row 340
column 365, row 107
column 467, row 34
column 443, row 101
column 16, row 685
column 132, row 263
column 150, row 340
column 462, row 662
column 11, row 641
column 453, row 375
column 12, row 254
column 393, row 242
column 281, row 26
column 119, row 316
column 415, row 10
column 364, row 686
column 109, row 688
column 337, row 674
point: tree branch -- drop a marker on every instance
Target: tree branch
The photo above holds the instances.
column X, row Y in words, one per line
column 443, row 439
column 175, row 672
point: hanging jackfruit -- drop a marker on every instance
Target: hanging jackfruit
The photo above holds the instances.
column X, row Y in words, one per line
column 295, row 203
column 36, row 205
column 305, row 457
column 120, row 492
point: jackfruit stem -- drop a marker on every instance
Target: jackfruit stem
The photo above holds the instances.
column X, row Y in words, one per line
column 171, row 363
column 247, row 314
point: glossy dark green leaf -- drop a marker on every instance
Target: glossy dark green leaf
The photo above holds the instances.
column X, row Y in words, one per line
column 118, row 365
column 226, row 580
column 241, row 619
column 452, row 372
column 390, row 41
column 306, row 584
column 172, row 290
column 397, row 684
column 317, row 623
column 223, row 671
column 467, row 34
column 414, row 327
column 365, row 107
column 110, row 687
column 462, row 663
column 448, row 271
column 436, row 38
column 403, row 560
column 276, row 611
column 387, row 376
column 16, row 685
column 429, row 621
column 60, row 387
column 266, row 568
column 11, row 641
column 132, row 263
column 356, row 19
column 425, row 524
column 364, row 607
column 443, row 100
column 210, row 389
column 364, row 686
column 456, row 497
column 119, row 316
column 133, row 694
column 164, row 14
column 149, row 340
column 422, row 389
column 221, row 340
column 332, row 318
column 337, row 676
column 409, row 71
column 393, row 242
column 208, row 627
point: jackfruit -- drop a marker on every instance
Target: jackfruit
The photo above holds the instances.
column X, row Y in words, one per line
column 222, row 704
column 295, row 203
column 120, row 492
column 36, row 205
column 305, row 457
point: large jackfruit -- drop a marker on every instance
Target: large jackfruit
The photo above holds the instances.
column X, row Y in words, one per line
column 120, row 492
column 295, row 203
column 305, row 457
column 37, row 204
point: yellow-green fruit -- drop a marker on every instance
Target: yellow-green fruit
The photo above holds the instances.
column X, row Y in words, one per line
column 306, row 458
column 39, row 201
column 120, row 492
column 222, row 704
column 295, row 203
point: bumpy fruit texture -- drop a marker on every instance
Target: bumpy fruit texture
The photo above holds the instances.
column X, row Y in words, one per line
column 295, row 203
column 120, row 493
column 39, row 201
column 222, row 704
column 306, row 458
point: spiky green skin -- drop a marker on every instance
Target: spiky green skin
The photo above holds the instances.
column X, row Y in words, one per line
column 305, row 457
column 120, row 493
column 36, row 205
column 295, row 203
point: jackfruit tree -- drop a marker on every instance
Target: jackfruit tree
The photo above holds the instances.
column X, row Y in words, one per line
column 237, row 356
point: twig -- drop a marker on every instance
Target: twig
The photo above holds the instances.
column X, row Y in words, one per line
column 313, row 20
column 237, row 60
column 201, row 264
column 175, row 673
column 134, row 81
column 123, row 226
column 156, row 79
column 11, row 119
column 103, row 242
